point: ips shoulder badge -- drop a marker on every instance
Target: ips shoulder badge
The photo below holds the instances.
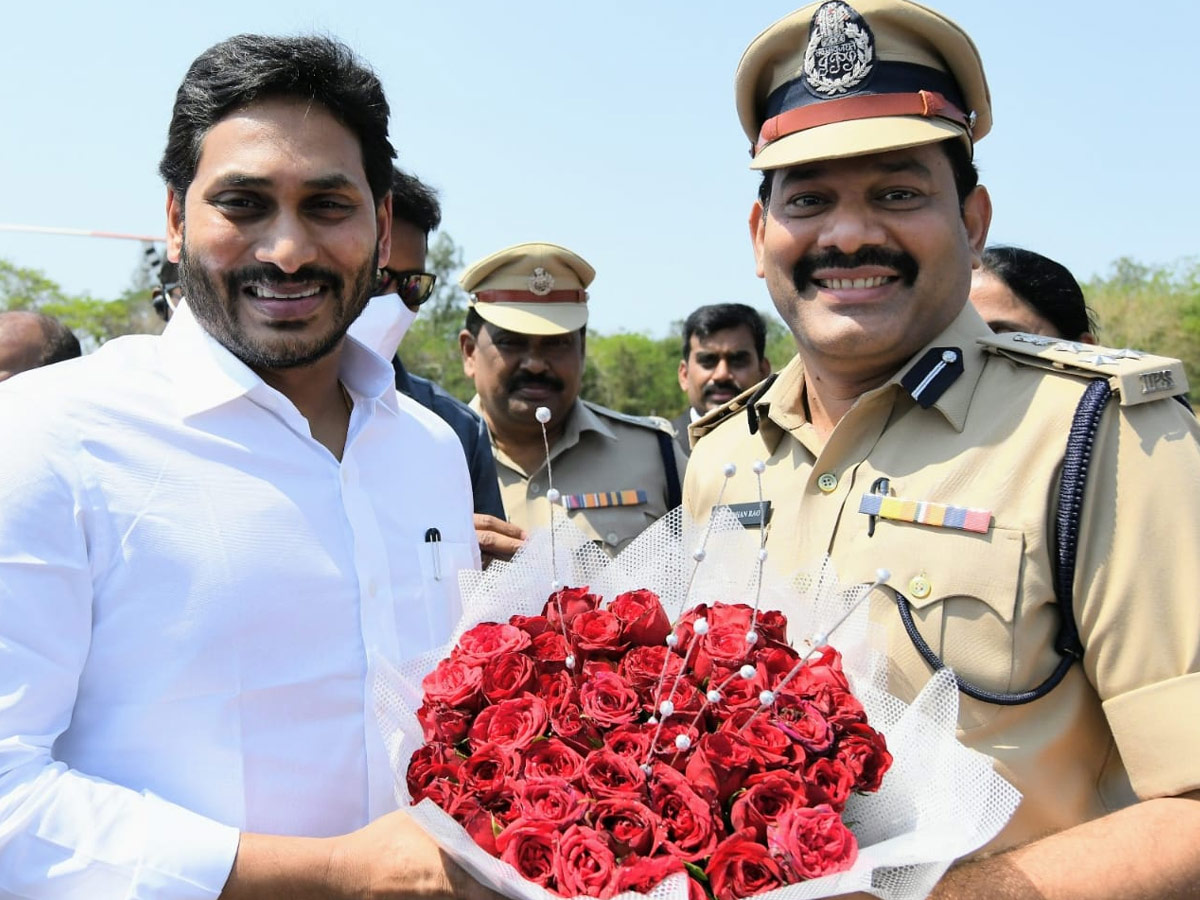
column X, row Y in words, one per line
column 840, row 52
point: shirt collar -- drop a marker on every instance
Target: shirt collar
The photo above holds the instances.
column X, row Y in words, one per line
column 779, row 408
column 205, row 374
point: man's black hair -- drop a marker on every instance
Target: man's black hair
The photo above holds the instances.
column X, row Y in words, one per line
column 250, row 68
column 61, row 342
column 966, row 176
column 708, row 320
column 414, row 202
column 1045, row 285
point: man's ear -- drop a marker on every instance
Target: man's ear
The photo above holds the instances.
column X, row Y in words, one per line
column 977, row 219
column 683, row 369
column 758, row 228
column 383, row 228
column 174, row 224
column 466, row 346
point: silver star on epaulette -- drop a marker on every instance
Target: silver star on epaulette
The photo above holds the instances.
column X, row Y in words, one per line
column 1068, row 347
column 1101, row 359
column 1021, row 337
column 1126, row 353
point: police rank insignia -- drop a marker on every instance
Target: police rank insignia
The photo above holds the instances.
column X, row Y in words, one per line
column 541, row 282
column 841, row 50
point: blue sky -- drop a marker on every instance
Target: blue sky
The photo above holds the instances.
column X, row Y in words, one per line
column 609, row 128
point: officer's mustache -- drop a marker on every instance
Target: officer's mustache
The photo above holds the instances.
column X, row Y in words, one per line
column 905, row 265
column 527, row 380
column 723, row 386
column 272, row 277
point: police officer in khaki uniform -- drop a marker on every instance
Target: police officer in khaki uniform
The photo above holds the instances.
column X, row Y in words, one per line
column 906, row 436
column 523, row 345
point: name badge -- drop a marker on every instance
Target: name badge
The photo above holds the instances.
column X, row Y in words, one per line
column 752, row 515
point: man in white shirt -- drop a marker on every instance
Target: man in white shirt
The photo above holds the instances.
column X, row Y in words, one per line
column 206, row 549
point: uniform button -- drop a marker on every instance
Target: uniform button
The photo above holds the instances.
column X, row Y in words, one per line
column 535, row 488
column 828, row 482
column 372, row 588
column 920, row 587
column 611, row 539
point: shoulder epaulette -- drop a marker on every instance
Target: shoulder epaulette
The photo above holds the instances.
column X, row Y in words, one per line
column 655, row 423
column 1136, row 377
column 741, row 403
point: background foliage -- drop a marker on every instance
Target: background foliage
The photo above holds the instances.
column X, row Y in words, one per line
column 1154, row 308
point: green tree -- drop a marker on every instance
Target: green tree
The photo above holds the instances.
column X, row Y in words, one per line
column 430, row 348
column 633, row 373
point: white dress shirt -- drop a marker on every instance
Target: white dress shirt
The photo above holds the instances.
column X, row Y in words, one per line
column 193, row 592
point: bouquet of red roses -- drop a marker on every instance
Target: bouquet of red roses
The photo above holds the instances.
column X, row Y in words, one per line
column 597, row 750
column 651, row 736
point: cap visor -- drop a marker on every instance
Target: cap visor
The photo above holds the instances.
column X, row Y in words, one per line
column 534, row 318
column 854, row 138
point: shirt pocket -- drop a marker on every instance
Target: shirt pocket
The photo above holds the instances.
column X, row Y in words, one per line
column 961, row 589
column 441, row 562
column 613, row 527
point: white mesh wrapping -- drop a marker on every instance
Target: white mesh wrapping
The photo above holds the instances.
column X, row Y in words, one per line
column 939, row 801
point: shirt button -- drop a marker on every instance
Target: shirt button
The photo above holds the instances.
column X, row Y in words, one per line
column 611, row 539
column 535, row 488
column 372, row 588
column 920, row 587
column 828, row 482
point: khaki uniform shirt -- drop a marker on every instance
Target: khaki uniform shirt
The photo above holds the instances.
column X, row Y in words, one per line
column 602, row 457
column 1121, row 726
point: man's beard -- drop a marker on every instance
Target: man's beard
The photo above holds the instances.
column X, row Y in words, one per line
column 903, row 263
column 215, row 307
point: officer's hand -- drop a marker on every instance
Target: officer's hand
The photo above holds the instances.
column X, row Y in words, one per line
column 497, row 539
column 393, row 858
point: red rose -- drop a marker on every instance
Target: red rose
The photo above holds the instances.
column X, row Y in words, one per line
column 531, row 625
column 549, row 650
column 767, row 796
column 551, row 800
column 575, row 731
column 839, row 706
column 529, row 848
column 642, row 874
column 445, row 724
column 432, row 762
column 863, row 751
column 691, row 828
column 813, row 841
column 556, row 689
column 801, row 720
column 643, row 666
column 596, row 666
column 476, row 820
column 488, row 640
column 584, row 864
column 630, row 740
column 506, row 676
column 553, row 759
column 605, row 774
column 455, row 682
column 829, row 781
column 643, row 620
column 444, row 793
column 511, row 724
column 825, row 670
column 631, row 826
column 684, row 695
column 597, row 631
column 487, row 769
column 770, row 745
column 720, row 762
column 776, row 660
column 741, row 867
column 737, row 692
column 665, row 746
column 724, row 646
column 563, row 606
column 607, row 700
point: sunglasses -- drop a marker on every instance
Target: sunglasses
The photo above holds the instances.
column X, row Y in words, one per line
column 413, row 286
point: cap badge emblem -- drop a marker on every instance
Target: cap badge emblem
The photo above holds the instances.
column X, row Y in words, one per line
column 841, row 50
column 541, row 282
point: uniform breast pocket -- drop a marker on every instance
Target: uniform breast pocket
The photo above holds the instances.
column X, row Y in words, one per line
column 441, row 561
column 961, row 590
column 613, row 527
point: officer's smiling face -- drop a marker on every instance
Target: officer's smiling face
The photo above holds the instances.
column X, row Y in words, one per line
column 868, row 258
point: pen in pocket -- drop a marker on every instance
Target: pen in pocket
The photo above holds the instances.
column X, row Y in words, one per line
column 433, row 536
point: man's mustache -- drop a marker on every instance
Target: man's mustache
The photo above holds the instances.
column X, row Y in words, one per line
column 273, row 277
column 517, row 382
column 905, row 265
column 723, row 386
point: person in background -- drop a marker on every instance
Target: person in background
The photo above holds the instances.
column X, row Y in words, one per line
column 907, row 437
column 30, row 340
column 523, row 346
column 210, row 539
column 1019, row 290
column 165, row 295
column 724, row 352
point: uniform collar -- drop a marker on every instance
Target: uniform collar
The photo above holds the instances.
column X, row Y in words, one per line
column 780, row 408
column 205, row 374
